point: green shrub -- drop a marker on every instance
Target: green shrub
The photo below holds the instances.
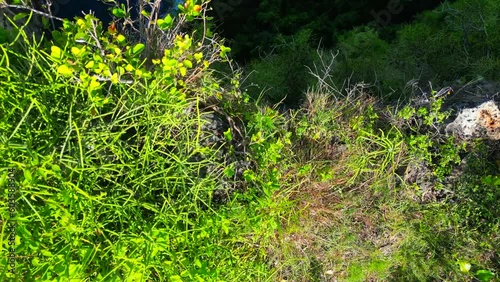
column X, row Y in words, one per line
column 451, row 42
column 455, row 40
column 282, row 74
column 363, row 57
column 117, row 165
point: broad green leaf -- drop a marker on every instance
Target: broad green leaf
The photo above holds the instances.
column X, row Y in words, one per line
column 209, row 32
column 65, row 70
column 67, row 24
column 198, row 56
column 20, row 16
column 224, row 50
column 55, row 52
column 114, row 78
column 45, row 22
column 80, row 22
column 3, row 179
column 120, row 70
column 27, row 175
column 42, row 173
column 249, row 175
column 185, row 273
column 228, row 135
column 119, row 13
column 94, row 84
column 464, row 266
column 183, row 71
column 78, row 52
column 81, row 36
column 169, row 20
column 175, row 278
column 56, row 169
column 180, row 44
column 138, row 48
column 121, row 38
column 484, row 275
column 90, row 65
column 74, row 269
column 197, row 262
column 229, row 171
column 188, row 63
column 129, row 68
column 225, row 226
column 165, row 23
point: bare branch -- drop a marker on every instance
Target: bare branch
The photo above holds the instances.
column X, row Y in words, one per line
column 4, row 5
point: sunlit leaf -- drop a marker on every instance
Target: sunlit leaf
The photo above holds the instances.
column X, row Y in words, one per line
column 183, row 71
column 78, row 52
column 19, row 16
column 464, row 266
column 65, row 70
column 138, row 48
column 484, row 275
column 121, row 38
column 80, row 22
column 114, row 78
column 94, row 84
column 198, row 56
column 169, row 20
column 223, row 51
column 165, row 23
column 55, row 52
column 90, row 65
column 175, row 278
column 119, row 13
column 188, row 63
column 228, row 135
column 27, row 175
column 129, row 68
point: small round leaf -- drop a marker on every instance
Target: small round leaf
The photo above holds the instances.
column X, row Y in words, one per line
column 119, row 13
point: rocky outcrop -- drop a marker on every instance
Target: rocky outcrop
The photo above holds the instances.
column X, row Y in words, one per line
column 482, row 122
column 475, row 114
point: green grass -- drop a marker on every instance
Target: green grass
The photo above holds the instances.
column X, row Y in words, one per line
column 356, row 219
column 118, row 183
column 132, row 180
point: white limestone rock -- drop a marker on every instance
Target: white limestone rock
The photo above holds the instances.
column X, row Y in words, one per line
column 482, row 122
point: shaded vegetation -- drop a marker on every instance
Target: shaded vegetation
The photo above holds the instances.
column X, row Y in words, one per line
column 147, row 155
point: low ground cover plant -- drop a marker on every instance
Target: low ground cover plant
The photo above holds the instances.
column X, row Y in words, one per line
column 115, row 162
column 130, row 156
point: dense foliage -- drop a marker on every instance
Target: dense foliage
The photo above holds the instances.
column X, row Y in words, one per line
column 253, row 24
column 454, row 42
column 138, row 151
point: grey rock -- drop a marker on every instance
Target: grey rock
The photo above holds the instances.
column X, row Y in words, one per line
column 482, row 122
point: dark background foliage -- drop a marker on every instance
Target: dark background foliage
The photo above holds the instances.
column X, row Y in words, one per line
column 252, row 24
